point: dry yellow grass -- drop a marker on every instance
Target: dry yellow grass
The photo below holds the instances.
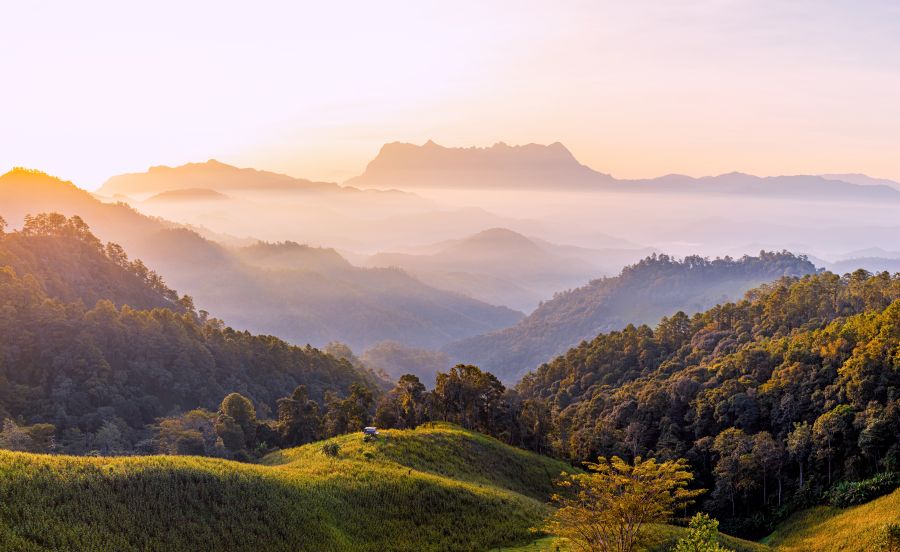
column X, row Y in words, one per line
column 826, row 529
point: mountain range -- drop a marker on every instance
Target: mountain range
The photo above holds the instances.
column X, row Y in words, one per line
column 211, row 175
column 553, row 167
column 266, row 288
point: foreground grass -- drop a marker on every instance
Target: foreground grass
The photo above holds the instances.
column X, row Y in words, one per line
column 435, row 488
column 664, row 538
column 826, row 528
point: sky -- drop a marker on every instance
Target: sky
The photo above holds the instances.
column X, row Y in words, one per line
column 313, row 89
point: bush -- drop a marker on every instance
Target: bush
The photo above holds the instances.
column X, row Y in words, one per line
column 703, row 536
column 849, row 493
column 888, row 539
column 331, row 449
column 190, row 443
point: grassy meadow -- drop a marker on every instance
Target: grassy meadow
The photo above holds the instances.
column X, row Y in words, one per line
column 434, row 488
column 826, row 528
column 437, row 487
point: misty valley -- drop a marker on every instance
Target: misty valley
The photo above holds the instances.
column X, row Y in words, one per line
column 450, row 276
column 487, row 361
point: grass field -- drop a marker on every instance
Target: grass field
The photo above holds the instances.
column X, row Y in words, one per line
column 827, row 529
column 438, row 487
column 664, row 538
column 435, row 488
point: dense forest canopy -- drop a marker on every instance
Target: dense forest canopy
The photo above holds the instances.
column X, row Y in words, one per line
column 88, row 337
column 642, row 294
column 776, row 396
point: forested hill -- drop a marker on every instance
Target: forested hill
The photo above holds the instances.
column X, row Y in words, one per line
column 68, row 360
column 772, row 398
column 310, row 296
column 642, row 294
column 68, row 263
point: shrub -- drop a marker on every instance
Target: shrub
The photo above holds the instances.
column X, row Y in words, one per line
column 889, row 538
column 331, row 449
column 849, row 493
column 190, row 443
column 703, row 536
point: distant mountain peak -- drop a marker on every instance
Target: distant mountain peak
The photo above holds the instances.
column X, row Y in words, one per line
column 188, row 194
column 401, row 164
column 211, row 174
column 499, row 235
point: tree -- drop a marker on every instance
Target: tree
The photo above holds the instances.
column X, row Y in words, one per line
column 357, row 407
column 799, row 445
column 469, row 397
column 610, row 508
column 240, row 409
column 190, row 443
column 231, row 433
column 13, row 437
column 768, row 455
column 298, row 418
column 176, row 434
column 334, row 421
column 109, row 438
column 403, row 406
column 734, row 469
column 703, row 536
column 877, row 435
column 828, row 431
column 2, row 226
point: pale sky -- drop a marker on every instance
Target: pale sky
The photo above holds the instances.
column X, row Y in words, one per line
column 636, row 89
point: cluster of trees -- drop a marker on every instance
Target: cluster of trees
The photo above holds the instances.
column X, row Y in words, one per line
column 464, row 395
column 771, row 399
column 235, row 431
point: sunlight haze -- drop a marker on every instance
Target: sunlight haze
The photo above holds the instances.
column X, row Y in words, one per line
column 92, row 89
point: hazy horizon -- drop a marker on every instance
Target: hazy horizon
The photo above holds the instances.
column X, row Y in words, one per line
column 693, row 87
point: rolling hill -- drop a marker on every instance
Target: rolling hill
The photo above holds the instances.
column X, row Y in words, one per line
column 434, row 488
column 830, row 529
column 186, row 195
column 502, row 267
column 641, row 294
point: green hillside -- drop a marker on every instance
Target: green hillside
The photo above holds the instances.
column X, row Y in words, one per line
column 642, row 294
column 438, row 487
column 827, row 528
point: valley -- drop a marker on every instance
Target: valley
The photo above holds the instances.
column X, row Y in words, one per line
column 450, row 277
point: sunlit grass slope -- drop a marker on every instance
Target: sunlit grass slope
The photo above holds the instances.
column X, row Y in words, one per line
column 826, row 528
column 434, row 488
